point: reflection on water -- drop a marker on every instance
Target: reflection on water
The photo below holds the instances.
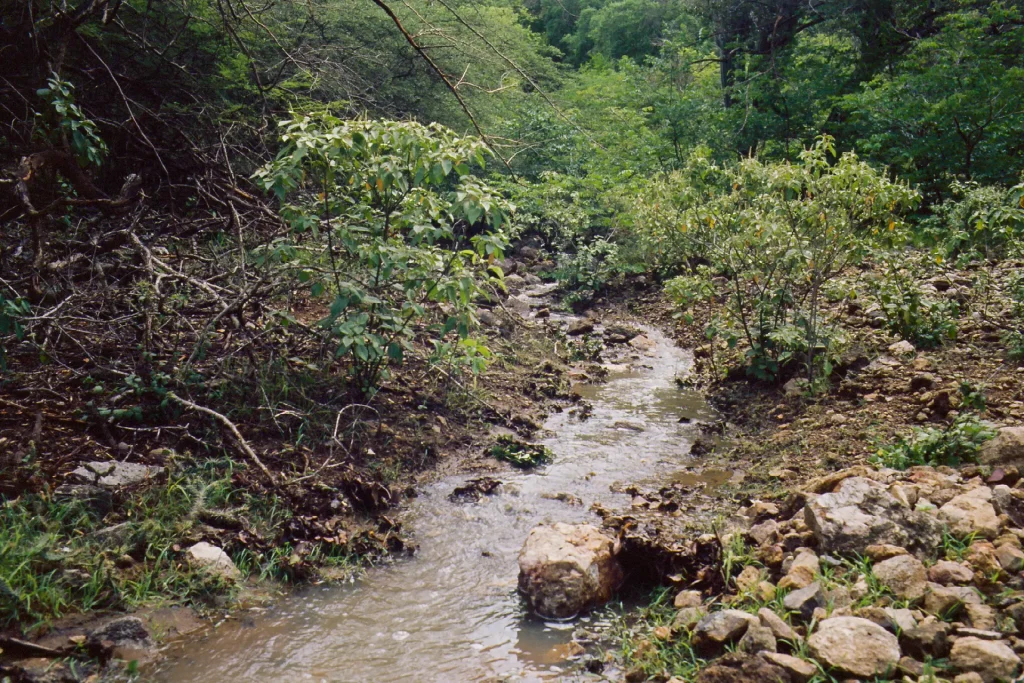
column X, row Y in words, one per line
column 452, row 613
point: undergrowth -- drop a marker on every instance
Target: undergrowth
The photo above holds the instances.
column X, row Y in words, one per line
column 956, row 444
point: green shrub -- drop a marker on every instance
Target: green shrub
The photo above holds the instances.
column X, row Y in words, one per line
column 958, row 443
column 11, row 313
column 909, row 314
column 979, row 221
column 388, row 219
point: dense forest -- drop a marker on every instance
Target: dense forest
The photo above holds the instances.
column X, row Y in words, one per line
column 249, row 245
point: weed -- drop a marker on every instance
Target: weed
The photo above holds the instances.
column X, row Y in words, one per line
column 952, row 446
column 521, row 454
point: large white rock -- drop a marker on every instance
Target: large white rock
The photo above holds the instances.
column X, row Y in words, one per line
column 861, row 512
column 855, row 647
column 565, row 569
column 994, row 660
column 113, row 474
column 214, row 560
column 972, row 513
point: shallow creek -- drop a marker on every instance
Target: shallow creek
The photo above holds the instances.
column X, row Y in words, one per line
column 451, row 613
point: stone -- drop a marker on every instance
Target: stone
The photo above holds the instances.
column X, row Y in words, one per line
column 993, row 660
column 1010, row 558
column 908, row 666
column 902, row 348
column 799, row 670
column 764, row 532
column 969, row 677
column 213, row 560
column 878, row 553
column 854, row 647
column 721, row 628
column 779, row 628
column 748, row 578
column 923, row 380
column 980, row 615
column 688, row 617
column 946, row 573
column 802, row 571
column 565, row 569
column 904, row 575
column 578, row 327
column 122, row 632
column 739, row 667
column 757, row 639
column 944, row 601
column 981, row 556
column 930, row 638
column 93, row 497
column 1007, row 448
column 805, row 600
column 115, row 474
column 902, row 619
column 972, row 512
column 688, row 599
column 861, row 512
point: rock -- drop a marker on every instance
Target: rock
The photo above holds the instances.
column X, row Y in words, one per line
column 757, row 639
column 743, row 668
column 688, row 599
column 580, row 326
column 930, row 638
column 1011, row 559
column 981, row 556
column 902, row 348
column 904, row 575
column 721, row 628
column 748, row 578
column 688, row 617
column 944, row 601
column 122, row 632
column 642, row 343
column 801, row 573
column 565, row 569
column 993, row 660
column 212, row 559
column 1007, row 448
column 909, row 666
column 860, row 512
column 855, row 647
column 115, row 474
column 923, row 380
column 799, row 671
column 972, row 512
column 764, row 532
column 878, row 553
column 902, row 619
column 93, row 497
column 779, row 628
column 532, row 279
column 969, row 677
column 981, row 616
column 946, row 573
column 514, row 283
column 794, row 387
column 805, row 600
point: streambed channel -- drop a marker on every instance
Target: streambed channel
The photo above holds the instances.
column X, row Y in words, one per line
column 451, row 612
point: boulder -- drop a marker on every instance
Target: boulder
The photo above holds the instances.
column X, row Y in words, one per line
column 565, row 569
column 854, row 647
column 972, row 512
column 944, row 601
column 213, row 560
column 799, row 670
column 578, row 327
column 743, row 668
column 757, row 639
column 113, row 474
column 1007, row 448
column 122, row 632
column 904, row 575
column 946, row 573
column 992, row 660
column 861, row 512
column 805, row 600
column 716, row 630
column 779, row 628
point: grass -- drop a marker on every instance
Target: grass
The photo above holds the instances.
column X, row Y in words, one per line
column 63, row 556
column 952, row 446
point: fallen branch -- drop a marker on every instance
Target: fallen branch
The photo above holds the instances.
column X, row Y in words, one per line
column 243, row 444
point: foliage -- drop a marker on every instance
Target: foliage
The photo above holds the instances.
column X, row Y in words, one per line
column 779, row 234
column 64, row 125
column 396, row 221
column 521, row 454
column 952, row 446
column 11, row 311
column 926, row 323
column 985, row 221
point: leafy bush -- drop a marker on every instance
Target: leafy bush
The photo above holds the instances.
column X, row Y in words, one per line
column 63, row 124
column 779, row 233
column 521, row 454
column 396, row 222
column 11, row 312
column 926, row 323
column 952, row 446
column 984, row 221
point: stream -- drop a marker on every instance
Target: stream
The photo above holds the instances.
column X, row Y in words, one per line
column 451, row 612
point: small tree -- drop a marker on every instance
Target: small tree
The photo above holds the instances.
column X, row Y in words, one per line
column 389, row 220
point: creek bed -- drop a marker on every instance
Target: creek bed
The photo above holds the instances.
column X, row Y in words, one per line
column 452, row 613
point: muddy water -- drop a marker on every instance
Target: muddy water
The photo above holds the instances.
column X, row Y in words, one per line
column 452, row 613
